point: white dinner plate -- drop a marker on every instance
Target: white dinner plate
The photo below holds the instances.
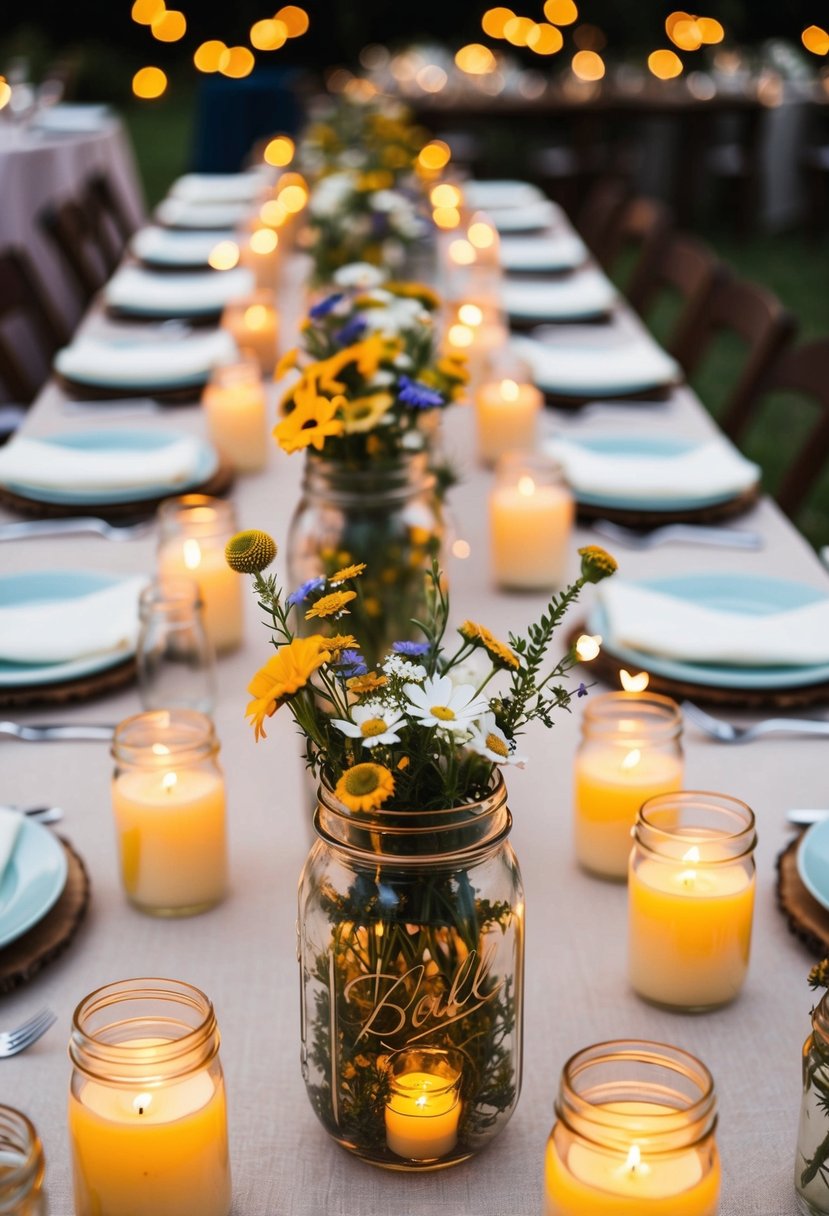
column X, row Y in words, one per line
column 32, row 882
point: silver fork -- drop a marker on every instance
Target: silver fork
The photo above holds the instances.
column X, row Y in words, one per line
column 689, row 534
column 14, row 1041
column 727, row 732
column 53, row 733
column 74, row 526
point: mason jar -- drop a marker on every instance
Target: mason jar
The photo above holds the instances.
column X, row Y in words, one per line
column 630, row 751
column 411, row 947
column 168, row 798
column 634, row 1133
column 147, row 1109
column 176, row 668
column 21, row 1166
column 811, row 1171
column 531, row 515
column 388, row 516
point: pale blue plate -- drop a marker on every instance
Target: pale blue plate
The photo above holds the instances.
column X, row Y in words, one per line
column 813, row 861
column 119, row 441
column 41, row 586
column 32, row 882
column 745, row 593
column 645, row 445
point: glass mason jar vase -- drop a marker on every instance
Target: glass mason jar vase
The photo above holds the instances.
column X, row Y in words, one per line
column 411, row 944
column 387, row 516
column 634, row 1134
column 147, row 1109
column 21, row 1166
column 174, row 656
column 630, row 751
column 811, row 1171
column 168, row 797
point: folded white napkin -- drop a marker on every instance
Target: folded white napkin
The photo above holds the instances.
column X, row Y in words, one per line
column 10, row 824
column 660, row 624
column 584, row 294
column 72, row 117
column 138, row 290
column 185, row 213
column 704, row 471
column 500, row 193
column 219, row 187
column 564, row 251
column 635, row 366
column 540, row 214
column 189, row 360
column 44, row 465
column 58, row 631
column 177, row 247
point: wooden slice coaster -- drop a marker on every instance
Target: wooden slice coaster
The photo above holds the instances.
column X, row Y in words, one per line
column 644, row 519
column 78, row 391
column 806, row 918
column 22, row 959
column 606, row 667
column 66, row 692
column 216, row 486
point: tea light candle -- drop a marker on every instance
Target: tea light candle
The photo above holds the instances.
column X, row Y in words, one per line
column 423, row 1108
column 253, row 323
column 194, row 530
column 260, row 253
column 235, row 406
column 531, row 518
column 691, row 900
column 507, row 417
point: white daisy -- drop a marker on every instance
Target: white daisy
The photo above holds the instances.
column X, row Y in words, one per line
column 394, row 665
column 439, row 703
column 489, row 740
column 361, row 275
column 373, row 723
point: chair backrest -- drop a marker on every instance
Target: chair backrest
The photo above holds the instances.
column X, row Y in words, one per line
column 599, row 215
column 643, row 225
column 687, row 267
column 803, row 370
column 754, row 314
column 100, row 189
column 76, row 235
column 22, row 298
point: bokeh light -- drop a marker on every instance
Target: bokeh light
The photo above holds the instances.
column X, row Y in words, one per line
column 295, row 20
column 589, row 38
column 561, row 12
column 169, row 26
column 816, row 40
column 210, row 56
column 280, row 151
column 431, row 78
column 145, row 12
column 445, row 195
column 239, row 62
column 476, row 59
column 588, row 65
column 263, row 240
column 273, row 213
column 293, row 193
column 665, row 64
column 224, row 256
column 686, row 34
column 711, row 30
column 470, row 314
column 434, row 155
column 462, row 253
column 518, row 29
column 5, row 92
column 446, row 217
column 268, row 35
column 481, row 234
column 494, row 20
column 545, row 39
column 148, row 83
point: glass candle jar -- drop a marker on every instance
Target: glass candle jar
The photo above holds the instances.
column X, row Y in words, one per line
column 423, row 1106
column 174, row 656
column 634, row 1134
column 168, row 797
column 193, row 532
column 812, row 1158
column 254, row 322
column 147, row 1110
column 691, row 899
column 530, row 521
column 630, row 751
column 477, row 329
column 235, row 407
column 21, row 1166
column 506, row 414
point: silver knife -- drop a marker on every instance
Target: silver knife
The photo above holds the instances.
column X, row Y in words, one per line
column 48, row 732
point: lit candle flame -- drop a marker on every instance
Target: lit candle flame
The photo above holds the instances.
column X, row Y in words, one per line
column 588, row 647
column 140, row 1103
column 509, row 390
column 637, row 683
column 192, row 554
column 168, row 782
column 256, row 316
column 160, row 749
column 481, row 235
column 470, row 314
column 526, row 486
column 460, row 335
column 692, row 855
column 632, row 759
column 688, row 877
column 224, row 256
column 634, row 1161
column 462, row 253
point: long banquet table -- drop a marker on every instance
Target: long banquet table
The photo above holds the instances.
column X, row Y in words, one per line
column 243, row 952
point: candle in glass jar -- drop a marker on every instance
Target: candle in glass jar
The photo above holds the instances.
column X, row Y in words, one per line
column 507, row 417
column 531, row 518
column 235, row 406
column 253, row 322
column 422, row 1115
column 194, row 531
column 260, row 253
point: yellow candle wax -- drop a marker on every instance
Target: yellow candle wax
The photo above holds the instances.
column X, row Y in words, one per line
column 254, row 325
column 237, row 421
column 422, row 1116
column 220, row 587
column 158, row 1152
column 260, row 253
column 507, row 417
column 171, row 837
column 611, row 783
column 689, row 929
column 530, row 526
column 594, row 1181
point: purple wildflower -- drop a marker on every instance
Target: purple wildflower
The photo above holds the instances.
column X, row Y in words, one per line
column 349, row 664
column 318, row 311
column 412, row 392
column 581, row 691
column 352, row 332
column 412, row 650
column 302, row 592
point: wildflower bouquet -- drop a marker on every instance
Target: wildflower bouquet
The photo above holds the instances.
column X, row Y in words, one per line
column 411, row 925
column 358, row 135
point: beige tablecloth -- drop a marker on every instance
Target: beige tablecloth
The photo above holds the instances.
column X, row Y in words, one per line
column 243, row 953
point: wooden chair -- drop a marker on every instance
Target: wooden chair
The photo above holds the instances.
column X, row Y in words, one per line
column 755, row 315
column 803, row 370
column 23, row 299
column 688, row 268
column 76, row 235
column 601, row 211
column 643, row 226
column 103, row 195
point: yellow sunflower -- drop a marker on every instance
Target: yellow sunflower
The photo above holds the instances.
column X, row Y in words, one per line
column 364, row 413
column 312, row 420
column 415, row 291
column 287, row 363
column 340, row 642
column 284, row 674
column 348, row 572
column 498, row 651
column 331, row 605
column 364, row 787
column 370, row 682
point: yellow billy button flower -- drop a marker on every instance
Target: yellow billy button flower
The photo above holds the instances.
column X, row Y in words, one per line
column 250, row 552
column 364, row 787
column 331, row 605
column 596, row 563
column 284, row 674
column 499, row 652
